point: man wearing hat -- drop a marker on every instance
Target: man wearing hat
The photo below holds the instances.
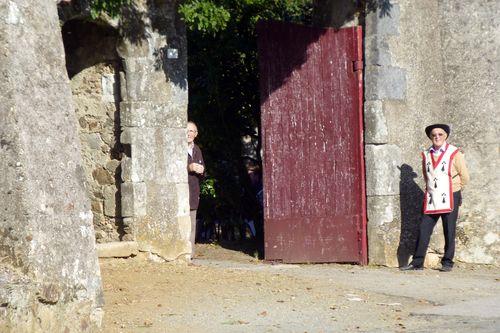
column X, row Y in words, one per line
column 445, row 175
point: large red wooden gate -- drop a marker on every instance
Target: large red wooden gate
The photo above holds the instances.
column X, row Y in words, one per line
column 311, row 108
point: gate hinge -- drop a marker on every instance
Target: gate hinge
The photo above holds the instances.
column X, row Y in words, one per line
column 357, row 65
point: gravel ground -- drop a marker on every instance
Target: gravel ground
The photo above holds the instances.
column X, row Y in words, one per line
column 228, row 291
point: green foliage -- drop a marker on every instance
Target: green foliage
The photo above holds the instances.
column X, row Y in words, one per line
column 109, row 7
column 207, row 188
column 204, row 16
column 224, row 90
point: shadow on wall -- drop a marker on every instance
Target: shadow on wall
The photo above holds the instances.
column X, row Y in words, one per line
column 411, row 197
column 383, row 6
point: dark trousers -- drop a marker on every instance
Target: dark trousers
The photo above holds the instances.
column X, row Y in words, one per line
column 427, row 224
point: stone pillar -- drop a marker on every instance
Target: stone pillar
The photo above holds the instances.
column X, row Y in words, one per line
column 49, row 274
column 424, row 65
column 155, row 196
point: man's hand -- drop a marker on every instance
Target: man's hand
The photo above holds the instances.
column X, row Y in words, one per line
column 196, row 167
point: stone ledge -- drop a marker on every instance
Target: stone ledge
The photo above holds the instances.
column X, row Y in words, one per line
column 117, row 249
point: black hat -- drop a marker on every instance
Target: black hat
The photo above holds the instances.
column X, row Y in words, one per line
column 444, row 127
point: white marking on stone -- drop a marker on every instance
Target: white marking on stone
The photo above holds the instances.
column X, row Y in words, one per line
column 109, row 88
column 14, row 16
column 490, row 238
column 85, row 231
column 86, row 215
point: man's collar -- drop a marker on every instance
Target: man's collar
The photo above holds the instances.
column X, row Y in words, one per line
column 441, row 149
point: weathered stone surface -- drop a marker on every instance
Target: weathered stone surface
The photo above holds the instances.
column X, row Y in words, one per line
column 385, row 83
column 167, row 146
column 110, row 90
column 146, row 114
column 133, row 199
column 110, row 193
column 382, row 172
column 117, row 249
column 145, row 81
column 102, row 176
column 112, row 165
column 96, row 206
column 471, row 76
column 163, row 230
column 377, row 51
column 447, row 60
column 46, row 229
column 385, row 238
column 384, row 22
column 375, row 123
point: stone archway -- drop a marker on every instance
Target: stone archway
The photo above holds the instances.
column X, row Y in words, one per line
column 129, row 82
column 93, row 67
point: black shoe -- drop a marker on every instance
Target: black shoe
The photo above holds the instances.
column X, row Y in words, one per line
column 411, row 267
column 446, row 269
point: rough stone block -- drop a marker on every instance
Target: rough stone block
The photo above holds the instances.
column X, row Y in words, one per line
column 388, row 231
column 385, row 83
column 171, row 153
column 103, row 176
column 377, row 51
column 162, row 231
column 156, row 154
column 109, row 193
column 135, row 114
column 123, row 86
column 133, row 199
column 375, row 123
column 145, row 81
column 381, row 247
column 383, row 210
column 382, row 172
column 96, row 206
column 128, row 174
column 110, row 89
column 112, row 165
column 127, row 134
column 146, row 114
column 92, row 140
column 432, row 260
column 145, row 149
column 384, row 22
column 117, row 249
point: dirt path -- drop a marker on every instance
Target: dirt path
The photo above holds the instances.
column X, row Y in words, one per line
column 227, row 291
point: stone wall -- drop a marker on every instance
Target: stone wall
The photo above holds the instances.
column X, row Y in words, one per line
column 425, row 62
column 470, row 38
column 49, row 275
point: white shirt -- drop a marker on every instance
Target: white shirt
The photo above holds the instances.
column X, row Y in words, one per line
column 190, row 150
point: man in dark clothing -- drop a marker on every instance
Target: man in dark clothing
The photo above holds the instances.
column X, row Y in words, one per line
column 196, row 169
